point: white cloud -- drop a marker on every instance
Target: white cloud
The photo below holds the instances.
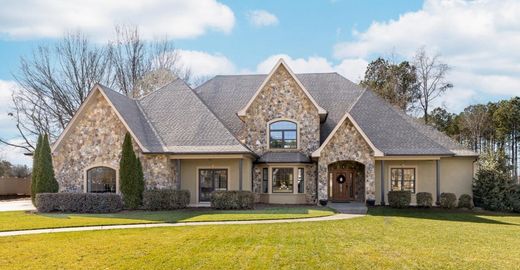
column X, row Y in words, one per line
column 175, row 18
column 478, row 39
column 352, row 69
column 261, row 18
column 205, row 64
column 15, row 155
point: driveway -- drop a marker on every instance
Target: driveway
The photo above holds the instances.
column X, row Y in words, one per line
column 16, row 205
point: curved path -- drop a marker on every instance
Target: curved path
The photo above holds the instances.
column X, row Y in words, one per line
column 179, row 224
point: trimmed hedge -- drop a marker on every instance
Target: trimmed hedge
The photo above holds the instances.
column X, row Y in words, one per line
column 165, row 199
column 424, row 199
column 466, row 201
column 79, row 202
column 232, row 199
column 399, row 199
column 448, row 200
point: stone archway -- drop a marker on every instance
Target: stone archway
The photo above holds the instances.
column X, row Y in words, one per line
column 346, row 181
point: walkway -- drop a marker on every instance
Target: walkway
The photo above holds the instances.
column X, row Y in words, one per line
column 357, row 208
column 16, row 205
column 180, row 224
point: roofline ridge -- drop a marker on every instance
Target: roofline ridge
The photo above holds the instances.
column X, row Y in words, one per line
column 219, row 120
column 158, row 89
column 146, row 118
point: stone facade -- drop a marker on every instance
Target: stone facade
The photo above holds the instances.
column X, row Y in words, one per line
column 90, row 144
column 346, row 144
column 281, row 98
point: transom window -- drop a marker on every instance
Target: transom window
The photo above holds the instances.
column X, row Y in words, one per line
column 403, row 179
column 101, row 180
column 283, row 135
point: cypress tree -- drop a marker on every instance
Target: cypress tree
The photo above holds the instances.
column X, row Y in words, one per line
column 130, row 174
column 34, row 174
column 45, row 180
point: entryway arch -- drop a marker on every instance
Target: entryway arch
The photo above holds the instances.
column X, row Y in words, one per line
column 346, row 181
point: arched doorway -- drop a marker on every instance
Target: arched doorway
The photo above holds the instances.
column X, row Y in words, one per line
column 346, row 181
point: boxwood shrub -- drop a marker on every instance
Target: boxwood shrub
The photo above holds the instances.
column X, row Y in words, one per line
column 165, row 199
column 399, row 199
column 424, row 199
column 79, row 202
column 448, row 200
column 466, row 201
column 223, row 199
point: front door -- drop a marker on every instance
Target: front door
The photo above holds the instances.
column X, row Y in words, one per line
column 211, row 180
column 342, row 186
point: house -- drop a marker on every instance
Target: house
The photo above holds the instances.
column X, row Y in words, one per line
column 290, row 138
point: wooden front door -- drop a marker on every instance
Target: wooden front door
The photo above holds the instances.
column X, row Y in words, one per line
column 342, row 186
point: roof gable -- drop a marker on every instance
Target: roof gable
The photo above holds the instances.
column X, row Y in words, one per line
column 115, row 102
column 281, row 64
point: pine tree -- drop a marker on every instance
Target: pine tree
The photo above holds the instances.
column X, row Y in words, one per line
column 34, row 178
column 131, row 175
column 45, row 180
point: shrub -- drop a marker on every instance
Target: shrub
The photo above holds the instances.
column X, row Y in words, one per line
column 232, row 199
column 79, row 202
column 131, row 176
column 44, row 180
column 466, row 201
column 492, row 185
column 399, row 199
column 448, row 200
column 514, row 199
column 165, row 199
column 424, row 199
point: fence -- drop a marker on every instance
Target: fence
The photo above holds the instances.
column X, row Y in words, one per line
column 15, row 186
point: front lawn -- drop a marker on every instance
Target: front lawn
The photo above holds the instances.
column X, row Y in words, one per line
column 385, row 239
column 20, row 220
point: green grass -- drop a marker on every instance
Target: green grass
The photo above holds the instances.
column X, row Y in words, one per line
column 20, row 220
column 385, row 239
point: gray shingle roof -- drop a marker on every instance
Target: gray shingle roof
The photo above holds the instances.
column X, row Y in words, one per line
column 174, row 120
column 391, row 131
column 284, row 157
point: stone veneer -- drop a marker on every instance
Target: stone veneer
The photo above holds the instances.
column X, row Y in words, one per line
column 346, row 144
column 281, row 98
column 92, row 143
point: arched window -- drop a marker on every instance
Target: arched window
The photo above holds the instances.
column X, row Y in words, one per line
column 101, row 180
column 283, row 135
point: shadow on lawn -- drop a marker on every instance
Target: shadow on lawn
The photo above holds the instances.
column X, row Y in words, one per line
column 197, row 214
column 444, row 215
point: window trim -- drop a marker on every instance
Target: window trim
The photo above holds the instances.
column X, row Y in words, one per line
column 268, row 134
column 265, row 174
column 404, row 166
column 303, row 180
column 92, row 166
column 294, row 189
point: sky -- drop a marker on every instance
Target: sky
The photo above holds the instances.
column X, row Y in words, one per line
column 478, row 39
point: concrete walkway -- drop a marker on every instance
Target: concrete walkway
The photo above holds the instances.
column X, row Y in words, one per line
column 180, row 224
column 356, row 208
column 17, row 205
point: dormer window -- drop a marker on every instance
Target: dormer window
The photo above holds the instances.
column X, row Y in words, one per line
column 283, row 135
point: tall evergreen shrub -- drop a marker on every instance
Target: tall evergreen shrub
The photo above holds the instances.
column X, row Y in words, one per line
column 45, row 180
column 491, row 188
column 131, row 175
column 34, row 178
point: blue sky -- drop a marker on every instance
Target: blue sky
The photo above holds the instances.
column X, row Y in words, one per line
column 478, row 39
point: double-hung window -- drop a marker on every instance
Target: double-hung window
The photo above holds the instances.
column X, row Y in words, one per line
column 283, row 135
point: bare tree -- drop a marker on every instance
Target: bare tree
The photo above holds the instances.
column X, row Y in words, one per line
column 431, row 75
column 141, row 67
column 56, row 79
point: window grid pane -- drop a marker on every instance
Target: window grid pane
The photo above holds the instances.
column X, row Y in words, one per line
column 101, row 180
column 265, row 180
column 283, row 180
column 301, row 180
column 283, row 135
column 402, row 179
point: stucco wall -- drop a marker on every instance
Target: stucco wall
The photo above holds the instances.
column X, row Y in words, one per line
column 281, row 98
column 96, row 139
column 456, row 176
column 190, row 174
column 346, row 144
